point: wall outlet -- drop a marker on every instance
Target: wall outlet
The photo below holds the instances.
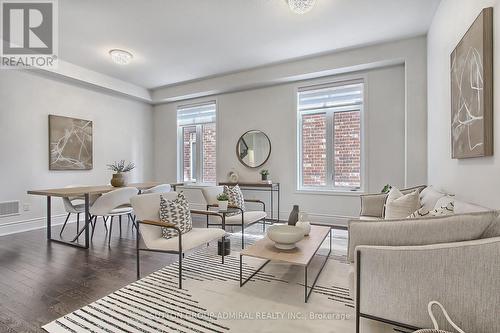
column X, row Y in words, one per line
column 26, row 207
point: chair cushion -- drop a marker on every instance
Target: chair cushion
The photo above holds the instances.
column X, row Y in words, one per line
column 122, row 210
column 175, row 211
column 235, row 197
column 249, row 218
column 190, row 240
column 399, row 205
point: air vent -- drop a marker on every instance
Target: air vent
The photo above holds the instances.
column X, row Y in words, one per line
column 9, row 208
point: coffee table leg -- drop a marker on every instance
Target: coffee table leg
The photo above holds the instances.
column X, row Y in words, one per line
column 308, row 294
column 242, row 283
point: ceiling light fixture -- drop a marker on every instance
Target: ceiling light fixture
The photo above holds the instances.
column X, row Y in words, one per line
column 121, row 57
column 301, row 6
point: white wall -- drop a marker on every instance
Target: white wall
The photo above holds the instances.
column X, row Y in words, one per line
column 273, row 110
column 477, row 179
column 122, row 130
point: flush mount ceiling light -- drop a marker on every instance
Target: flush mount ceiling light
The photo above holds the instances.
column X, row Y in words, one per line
column 121, row 57
column 301, row 6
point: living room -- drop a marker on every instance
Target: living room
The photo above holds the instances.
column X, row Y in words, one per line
column 305, row 118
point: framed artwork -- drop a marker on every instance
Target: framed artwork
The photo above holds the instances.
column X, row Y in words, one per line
column 70, row 143
column 472, row 90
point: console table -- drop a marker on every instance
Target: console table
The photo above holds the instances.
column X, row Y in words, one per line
column 264, row 187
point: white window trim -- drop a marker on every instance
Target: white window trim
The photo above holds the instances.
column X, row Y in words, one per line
column 199, row 145
column 364, row 177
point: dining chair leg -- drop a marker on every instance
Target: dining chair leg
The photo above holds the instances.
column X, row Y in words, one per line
column 120, row 218
column 110, row 230
column 64, row 225
column 93, row 224
column 105, row 219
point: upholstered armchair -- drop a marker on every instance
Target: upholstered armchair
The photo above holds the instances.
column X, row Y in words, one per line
column 149, row 230
column 399, row 266
column 243, row 219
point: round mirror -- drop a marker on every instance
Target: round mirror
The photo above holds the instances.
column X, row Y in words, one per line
column 253, row 148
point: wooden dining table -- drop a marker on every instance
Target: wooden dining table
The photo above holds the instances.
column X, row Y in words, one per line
column 85, row 192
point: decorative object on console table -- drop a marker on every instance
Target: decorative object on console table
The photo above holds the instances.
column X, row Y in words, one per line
column 472, row 90
column 264, row 173
column 70, row 143
column 304, row 223
column 294, row 215
column 120, row 170
column 233, row 176
column 223, row 200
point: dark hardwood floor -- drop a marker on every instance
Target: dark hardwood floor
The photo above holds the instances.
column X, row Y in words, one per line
column 41, row 281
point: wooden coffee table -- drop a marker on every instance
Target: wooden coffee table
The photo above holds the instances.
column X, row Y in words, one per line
column 302, row 255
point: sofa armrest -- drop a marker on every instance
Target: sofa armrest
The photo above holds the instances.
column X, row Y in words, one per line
column 463, row 276
column 420, row 231
column 373, row 204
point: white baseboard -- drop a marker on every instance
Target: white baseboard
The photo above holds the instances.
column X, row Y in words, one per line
column 33, row 224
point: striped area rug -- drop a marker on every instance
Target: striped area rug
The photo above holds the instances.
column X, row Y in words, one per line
column 212, row 301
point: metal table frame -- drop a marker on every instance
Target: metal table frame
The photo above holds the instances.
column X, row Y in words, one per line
column 307, row 292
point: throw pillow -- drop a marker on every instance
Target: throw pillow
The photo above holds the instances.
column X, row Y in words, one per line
column 447, row 209
column 235, row 198
column 176, row 212
column 399, row 205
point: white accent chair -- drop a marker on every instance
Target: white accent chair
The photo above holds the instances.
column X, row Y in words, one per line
column 111, row 204
column 244, row 219
column 149, row 232
column 162, row 188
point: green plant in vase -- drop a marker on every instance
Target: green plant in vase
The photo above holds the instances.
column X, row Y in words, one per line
column 223, row 200
column 119, row 169
column 264, row 173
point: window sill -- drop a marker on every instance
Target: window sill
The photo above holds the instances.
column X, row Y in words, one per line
column 345, row 193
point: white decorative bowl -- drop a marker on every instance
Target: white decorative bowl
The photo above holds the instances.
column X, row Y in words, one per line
column 285, row 236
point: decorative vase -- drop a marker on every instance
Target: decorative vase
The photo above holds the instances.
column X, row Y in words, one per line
column 305, row 226
column 223, row 205
column 294, row 215
column 264, row 177
column 118, row 180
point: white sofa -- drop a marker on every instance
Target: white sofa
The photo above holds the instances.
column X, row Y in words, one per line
column 398, row 266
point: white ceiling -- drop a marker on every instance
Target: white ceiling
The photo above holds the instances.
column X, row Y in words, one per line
column 180, row 40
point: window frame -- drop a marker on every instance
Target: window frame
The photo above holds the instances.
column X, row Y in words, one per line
column 199, row 144
column 330, row 187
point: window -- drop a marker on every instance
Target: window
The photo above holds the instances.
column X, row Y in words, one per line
column 197, row 142
column 329, row 133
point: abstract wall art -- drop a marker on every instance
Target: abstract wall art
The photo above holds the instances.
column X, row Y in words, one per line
column 472, row 90
column 70, row 143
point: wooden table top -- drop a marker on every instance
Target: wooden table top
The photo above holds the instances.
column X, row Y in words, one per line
column 301, row 255
column 79, row 191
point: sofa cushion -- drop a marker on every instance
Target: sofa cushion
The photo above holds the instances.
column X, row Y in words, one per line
column 462, row 207
column 420, row 231
column 429, row 197
column 447, row 209
column 399, row 205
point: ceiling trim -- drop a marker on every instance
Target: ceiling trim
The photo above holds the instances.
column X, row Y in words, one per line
column 334, row 63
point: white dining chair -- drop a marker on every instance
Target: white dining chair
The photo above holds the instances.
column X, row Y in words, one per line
column 75, row 205
column 162, row 188
column 111, row 204
column 149, row 230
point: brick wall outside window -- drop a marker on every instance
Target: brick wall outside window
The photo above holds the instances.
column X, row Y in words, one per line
column 347, row 148
column 209, row 153
column 188, row 137
column 314, row 149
